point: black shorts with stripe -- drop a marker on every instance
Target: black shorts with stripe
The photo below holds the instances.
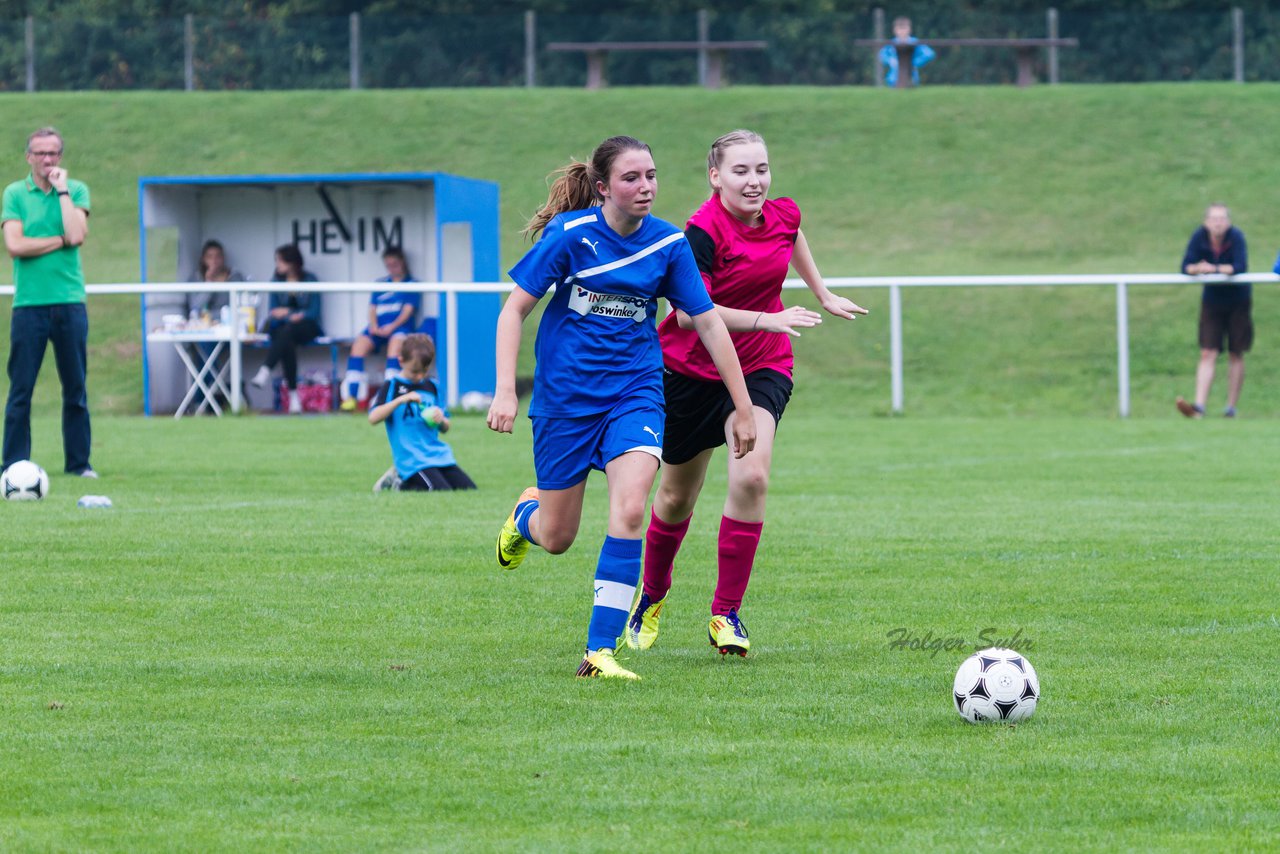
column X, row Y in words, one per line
column 697, row 410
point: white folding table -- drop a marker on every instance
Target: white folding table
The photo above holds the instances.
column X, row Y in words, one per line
column 208, row 378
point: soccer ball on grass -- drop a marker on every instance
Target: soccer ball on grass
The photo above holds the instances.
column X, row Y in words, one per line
column 996, row 684
column 24, row 481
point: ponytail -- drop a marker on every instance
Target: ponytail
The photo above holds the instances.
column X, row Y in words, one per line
column 573, row 189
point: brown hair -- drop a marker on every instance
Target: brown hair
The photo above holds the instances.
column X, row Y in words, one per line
column 574, row 188
column 45, row 131
column 417, row 352
column 396, row 252
column 734, row 137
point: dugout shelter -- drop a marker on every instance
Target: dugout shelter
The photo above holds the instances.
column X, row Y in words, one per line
column 447, row 226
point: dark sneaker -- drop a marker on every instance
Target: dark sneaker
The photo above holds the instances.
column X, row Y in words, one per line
column 1191, row 410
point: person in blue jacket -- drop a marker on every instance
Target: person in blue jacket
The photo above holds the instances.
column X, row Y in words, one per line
column 1226, row 310
column 921, row 56
column 293, row 319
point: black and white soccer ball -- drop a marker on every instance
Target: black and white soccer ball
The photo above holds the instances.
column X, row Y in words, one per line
column 996, row 684
column 24, row 481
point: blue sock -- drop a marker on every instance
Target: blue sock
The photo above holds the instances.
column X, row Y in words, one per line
column 393, row 366
column 617, row 574
column 524, row 512
column 355, row 363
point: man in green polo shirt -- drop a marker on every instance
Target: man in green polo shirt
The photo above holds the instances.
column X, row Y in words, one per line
column 45, row 220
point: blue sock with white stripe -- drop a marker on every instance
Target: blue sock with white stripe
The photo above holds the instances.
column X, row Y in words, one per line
column 617, row 574
column 355, row 377
column 392, row 370
column 524, row 512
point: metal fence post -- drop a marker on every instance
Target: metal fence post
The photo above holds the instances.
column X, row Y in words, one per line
column 31, row 53
column 354, row 41
column 235, row 353
column 704, row 31
column 189, row 51
column 530, row 49
column 877, row 32
column 451, row 346
column 1237, row 42
column 1122, row 346
column 895, row 346
column 1051, row 24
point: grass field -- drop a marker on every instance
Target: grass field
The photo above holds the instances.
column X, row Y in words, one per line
column 251, row 652
column 1065, row 179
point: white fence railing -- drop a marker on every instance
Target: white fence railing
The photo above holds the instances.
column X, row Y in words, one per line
column 895, row 284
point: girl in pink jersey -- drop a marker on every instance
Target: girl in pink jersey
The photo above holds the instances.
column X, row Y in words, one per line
column 743, row 243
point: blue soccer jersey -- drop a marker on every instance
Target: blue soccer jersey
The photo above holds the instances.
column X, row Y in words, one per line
column 415, row 444
column 388, row 305
column 598, row 341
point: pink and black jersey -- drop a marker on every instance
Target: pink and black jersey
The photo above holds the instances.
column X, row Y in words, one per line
column 743, row 268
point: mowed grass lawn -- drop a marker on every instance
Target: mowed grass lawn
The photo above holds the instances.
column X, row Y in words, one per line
column 252, row 652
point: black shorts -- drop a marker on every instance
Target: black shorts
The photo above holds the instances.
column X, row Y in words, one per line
column 438, row 479
column 698, row 409
column 1230, row 323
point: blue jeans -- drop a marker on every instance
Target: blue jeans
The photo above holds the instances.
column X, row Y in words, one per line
column 30, row 331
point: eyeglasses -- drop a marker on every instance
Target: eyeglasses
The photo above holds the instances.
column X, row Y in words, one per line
column 39, row 155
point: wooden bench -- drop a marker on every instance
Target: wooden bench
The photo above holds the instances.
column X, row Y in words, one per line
column 1024, row 51
column 714, row 52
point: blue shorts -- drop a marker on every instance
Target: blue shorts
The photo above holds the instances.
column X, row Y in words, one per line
column 379, row 341
column 565, row 450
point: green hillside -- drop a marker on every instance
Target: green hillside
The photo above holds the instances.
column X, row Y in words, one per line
column 969, row 180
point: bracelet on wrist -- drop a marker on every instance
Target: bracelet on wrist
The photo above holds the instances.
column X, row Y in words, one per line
column 64, row 192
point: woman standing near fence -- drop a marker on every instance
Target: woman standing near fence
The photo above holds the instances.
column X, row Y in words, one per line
column 293, row 319
column 743, row 243
column 597, row 387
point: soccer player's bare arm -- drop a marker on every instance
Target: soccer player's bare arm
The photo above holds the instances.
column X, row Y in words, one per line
column 802, row 262
column 719, row 345
column 788, row 321
column 502, row 412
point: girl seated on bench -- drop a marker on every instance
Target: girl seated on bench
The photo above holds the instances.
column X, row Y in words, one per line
column 293, row 320
column 390, row 320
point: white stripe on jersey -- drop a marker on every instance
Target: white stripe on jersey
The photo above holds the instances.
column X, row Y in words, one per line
column 631, row 259
column 573, row 223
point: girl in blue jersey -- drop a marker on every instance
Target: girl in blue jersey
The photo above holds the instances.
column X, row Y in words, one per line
column 390, row 320
column 409, row 404
column 597, row 386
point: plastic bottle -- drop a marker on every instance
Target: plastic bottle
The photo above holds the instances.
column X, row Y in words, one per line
column 94, row 501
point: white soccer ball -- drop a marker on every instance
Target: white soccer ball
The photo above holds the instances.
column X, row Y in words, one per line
column 24, row 481
column 996, row 684
column 475, row 401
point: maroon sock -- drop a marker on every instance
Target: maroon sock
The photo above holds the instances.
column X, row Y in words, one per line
column 737, row 552
column 661, row 542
